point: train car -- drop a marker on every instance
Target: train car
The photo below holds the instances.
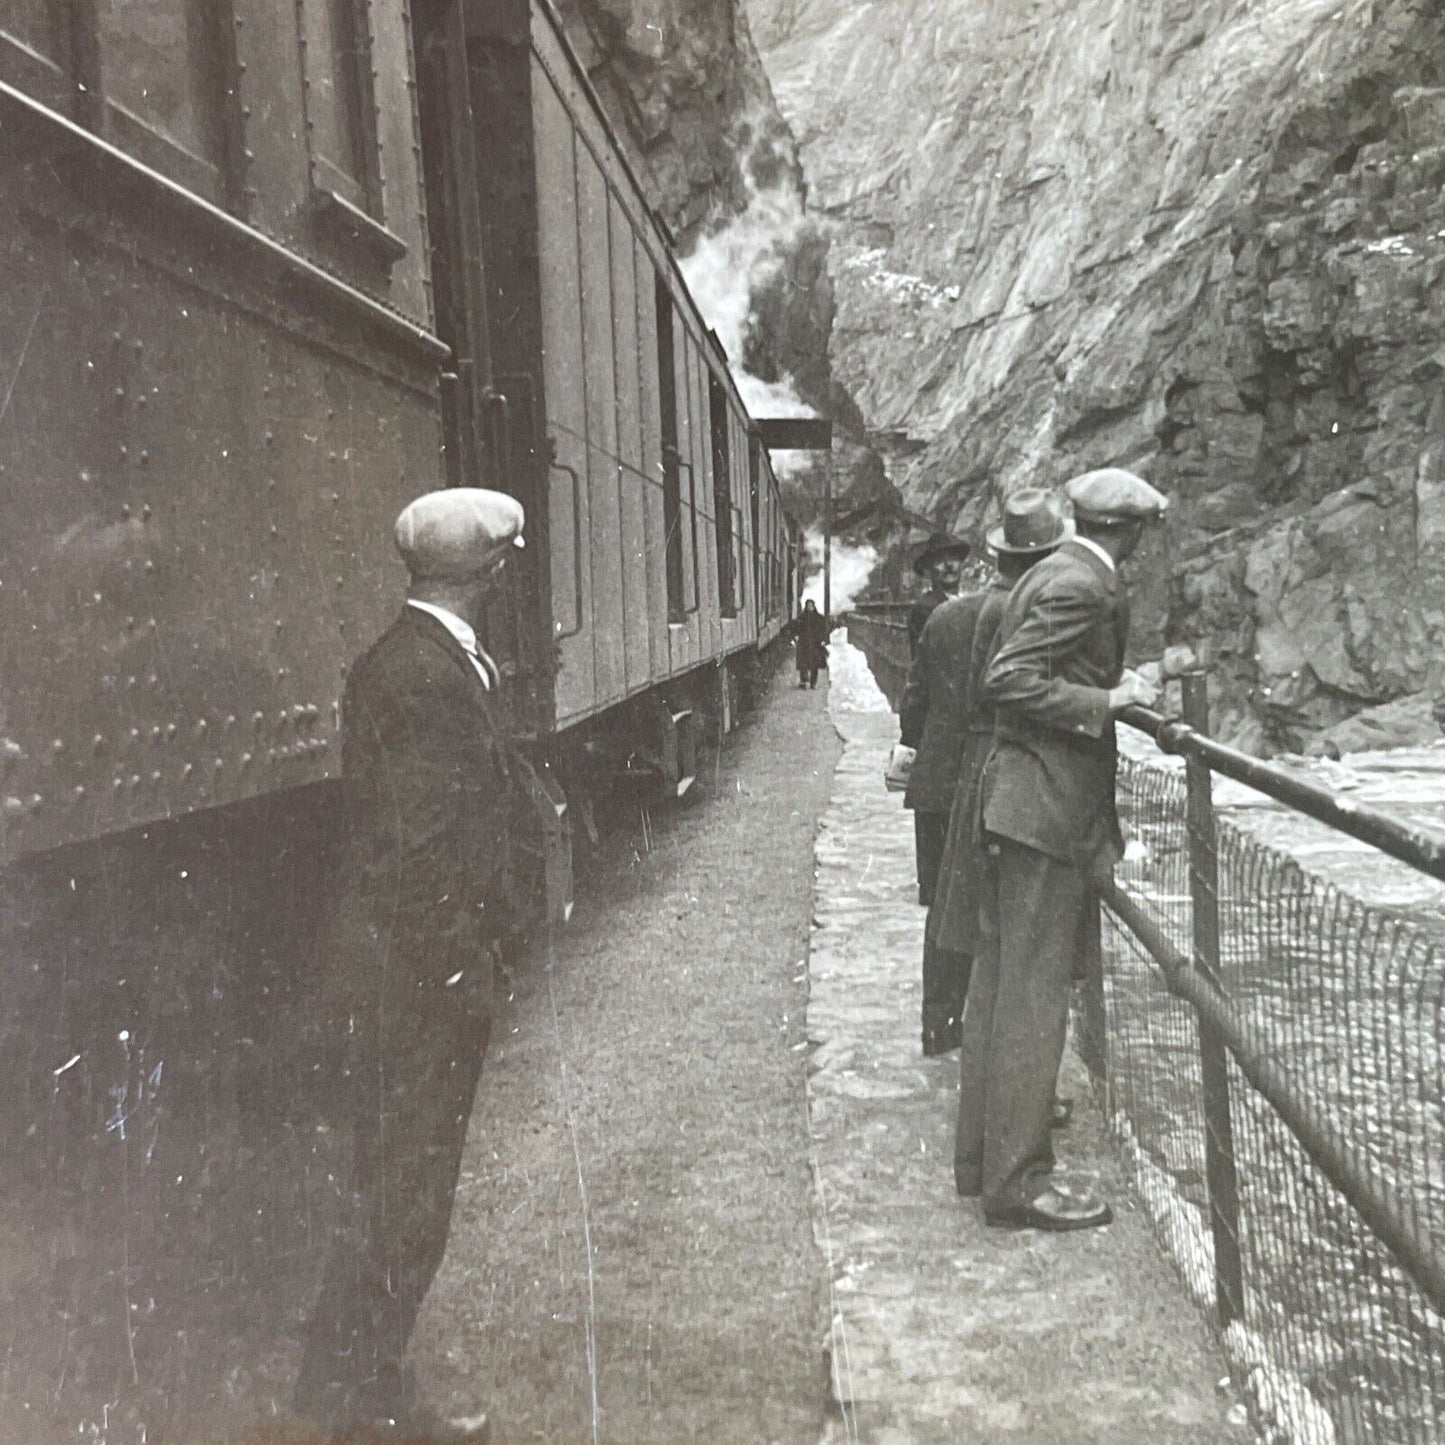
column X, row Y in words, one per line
column 661, row 515
column 266, row 283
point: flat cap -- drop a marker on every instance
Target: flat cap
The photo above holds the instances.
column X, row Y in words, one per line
column 451, row 533
column 1114, row 495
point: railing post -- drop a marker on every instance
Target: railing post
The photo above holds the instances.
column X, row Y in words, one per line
column 1218, row 1127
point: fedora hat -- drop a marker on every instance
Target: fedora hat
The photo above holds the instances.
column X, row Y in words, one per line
column 940, row 549
column 1033, row 521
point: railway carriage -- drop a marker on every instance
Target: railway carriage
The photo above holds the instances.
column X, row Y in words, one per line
column 267, row 281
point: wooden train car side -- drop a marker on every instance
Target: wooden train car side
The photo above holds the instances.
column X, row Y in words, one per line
column 630, row 431
column 219, row 378
column 248, row 316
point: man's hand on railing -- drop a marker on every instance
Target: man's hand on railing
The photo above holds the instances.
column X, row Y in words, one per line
column 1133, row 690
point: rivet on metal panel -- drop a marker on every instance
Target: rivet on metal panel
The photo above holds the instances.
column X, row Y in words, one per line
column 97, row 743
column 200, row 727
column 138, row 344
column 145, row 511
column 156, row 776
column 117, row 784
column 152, row 679
column 133, row 781
column 79, row 791
column 149, row 566
column 151, row 624
column 130, row 624
column 283, row 672
column 258, row 719
column 280, row 623
column 275, row 531
column 340, row 581
column 58, row 746
column 245, row 760
column 14, row 807
column 36, row 801
column 188, row 770
column 124, row 506
column 145, row 458
column 219, row 764
column 171, row 731
column 120, row 393
column 142, row 399
column 155, row 735
column 230, row 720
column 335, row 496
column 270, row 437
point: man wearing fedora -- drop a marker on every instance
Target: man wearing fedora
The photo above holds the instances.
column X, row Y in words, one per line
column 431, row 798
column 939, row 564
column 931, row 721
column 1049, row 826
column 1034, row 526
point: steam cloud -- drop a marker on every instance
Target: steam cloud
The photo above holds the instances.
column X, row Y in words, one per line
column 853, row 564
column 722, row 273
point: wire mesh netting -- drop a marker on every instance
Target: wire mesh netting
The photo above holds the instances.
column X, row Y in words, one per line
column 1336, row 1342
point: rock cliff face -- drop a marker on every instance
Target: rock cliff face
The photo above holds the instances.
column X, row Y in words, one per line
column 686, row 92
column 1202, row 239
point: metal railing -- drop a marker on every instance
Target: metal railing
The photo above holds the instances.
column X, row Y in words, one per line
column 1269, row 1051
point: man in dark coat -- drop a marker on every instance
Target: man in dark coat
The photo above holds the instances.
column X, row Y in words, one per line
column 1050, row 826
column 431, row 800
column 940, row 565
column 931, row 721
column 1034, row 526
column 811, row 629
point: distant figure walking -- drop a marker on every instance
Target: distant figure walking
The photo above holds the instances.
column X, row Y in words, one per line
column 1034, row 526
column 1049, row 827
column 432, row 800
column 811, row 629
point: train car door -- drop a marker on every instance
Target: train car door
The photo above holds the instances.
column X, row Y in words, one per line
column 475, row 434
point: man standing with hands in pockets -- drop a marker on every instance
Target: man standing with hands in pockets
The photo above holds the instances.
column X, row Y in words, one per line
column 1050, row 828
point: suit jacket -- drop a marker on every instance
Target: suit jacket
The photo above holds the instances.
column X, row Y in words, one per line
column 431, row 800
column 1050, row 781
column 933, row 714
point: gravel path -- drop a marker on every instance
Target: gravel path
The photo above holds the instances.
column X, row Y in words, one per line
column 647, row 1095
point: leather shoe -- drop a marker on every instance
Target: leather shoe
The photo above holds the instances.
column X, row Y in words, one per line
column 1054, row 1211
column 1063, row 1114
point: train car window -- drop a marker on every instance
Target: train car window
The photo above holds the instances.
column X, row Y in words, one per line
column 722, row 501
column 336, row 56
column 34, row 50
column 154, row 77
column 159, row 64
column 671, row 481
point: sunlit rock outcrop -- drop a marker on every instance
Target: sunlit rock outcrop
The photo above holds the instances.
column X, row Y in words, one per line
column 1202, row 238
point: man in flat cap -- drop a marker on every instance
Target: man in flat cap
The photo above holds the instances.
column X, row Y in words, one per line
column 431, row 795
column 1049, row 827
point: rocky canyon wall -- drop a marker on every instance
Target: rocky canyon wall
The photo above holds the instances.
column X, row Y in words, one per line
column 1200, row 238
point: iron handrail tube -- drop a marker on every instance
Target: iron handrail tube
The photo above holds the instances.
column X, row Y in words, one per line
column 1420, row 847
column 1378, row 1205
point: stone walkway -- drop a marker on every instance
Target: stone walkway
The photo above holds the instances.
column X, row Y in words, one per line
column 942, row 1329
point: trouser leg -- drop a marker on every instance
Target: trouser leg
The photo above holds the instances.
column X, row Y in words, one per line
column 408, row 1158
column 1038, row 903
column 930, row 831
column 975, row 1055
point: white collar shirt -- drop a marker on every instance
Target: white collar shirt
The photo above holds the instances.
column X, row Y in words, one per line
column 466, row 639
column 1097, row 550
